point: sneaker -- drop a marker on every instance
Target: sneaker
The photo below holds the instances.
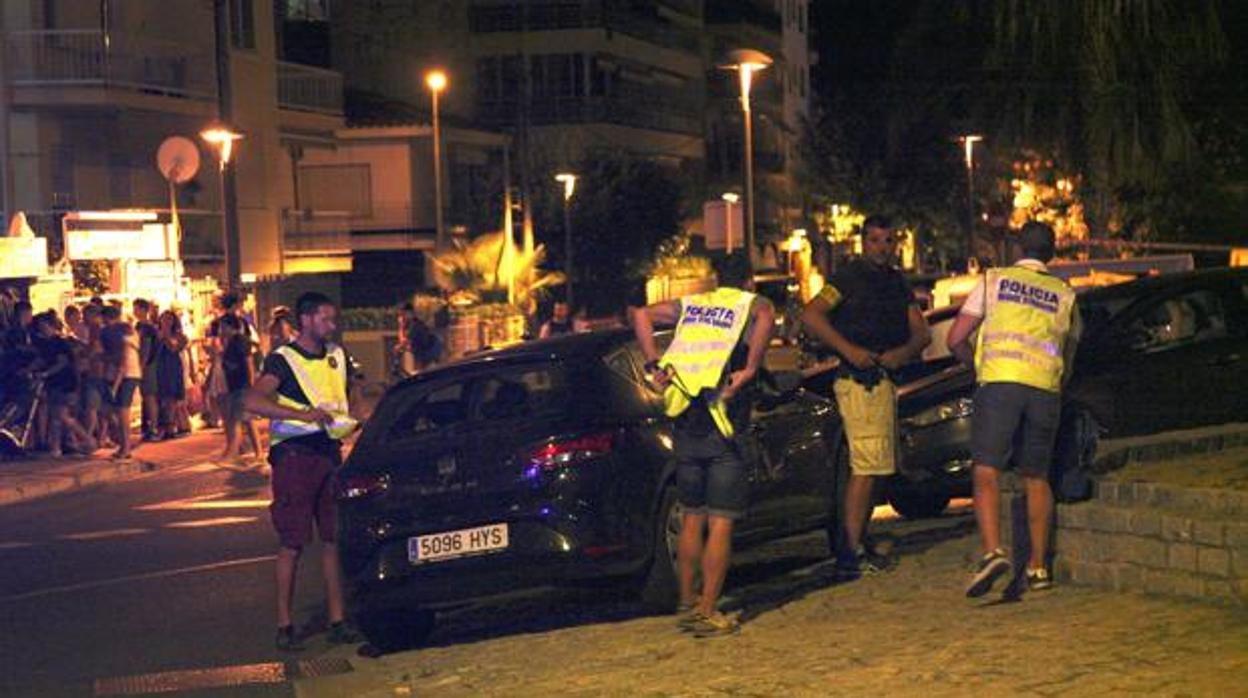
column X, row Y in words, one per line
column 988, row 570
column 287, row 640
column 1039, row 580
column 715, row 625
column 341, row 633
column 861, row 564
column 687, row 616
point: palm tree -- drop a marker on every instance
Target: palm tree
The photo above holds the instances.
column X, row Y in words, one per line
column 492, row 269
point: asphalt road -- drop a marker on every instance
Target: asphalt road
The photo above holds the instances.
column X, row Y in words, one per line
column 169, row 572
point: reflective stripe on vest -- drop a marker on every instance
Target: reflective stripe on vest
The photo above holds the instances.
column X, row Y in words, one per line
column 709, row 328
column 1027, row 316
column 324, row 383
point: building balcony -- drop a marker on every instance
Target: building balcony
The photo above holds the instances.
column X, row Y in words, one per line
column 309, row 89
column 617, row 110
column 77, row 58
column 487, row 17
column 313, row 233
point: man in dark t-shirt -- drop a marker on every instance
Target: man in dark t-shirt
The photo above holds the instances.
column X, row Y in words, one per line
column 867, row 316
column 59, row 370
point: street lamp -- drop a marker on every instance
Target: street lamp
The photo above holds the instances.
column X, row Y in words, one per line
column 436, row 81
column 746, row 62
column 730, row 198
column 223, row 138
column 568, row 180
column 968, row 145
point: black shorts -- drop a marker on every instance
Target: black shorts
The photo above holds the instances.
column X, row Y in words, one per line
column 1011, row 419
column 710, row 474
column 124, row 397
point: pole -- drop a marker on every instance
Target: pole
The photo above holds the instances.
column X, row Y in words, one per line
column 970, row 210
column 437, row 174
column 567, row 246
column 229, row 185
column 749, row 168
column 728, row 225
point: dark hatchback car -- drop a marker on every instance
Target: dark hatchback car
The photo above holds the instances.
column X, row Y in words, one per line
column 549, row 463
column 1157, row 354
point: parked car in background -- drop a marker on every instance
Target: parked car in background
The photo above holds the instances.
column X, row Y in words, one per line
column 548, row 463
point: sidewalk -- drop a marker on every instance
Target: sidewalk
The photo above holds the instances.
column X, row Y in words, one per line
column 28, row 479
column 907, row 633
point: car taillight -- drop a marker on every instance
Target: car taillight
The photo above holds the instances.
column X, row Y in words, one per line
column 562, row 453
column 359, row 486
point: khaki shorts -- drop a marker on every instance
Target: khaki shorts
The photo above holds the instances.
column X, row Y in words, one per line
column 870, row 418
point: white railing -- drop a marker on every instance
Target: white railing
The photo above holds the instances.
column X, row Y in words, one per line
column 89, row 57
column 306, row 88
column 326, row 232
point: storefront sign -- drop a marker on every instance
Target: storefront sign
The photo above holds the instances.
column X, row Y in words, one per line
column 23, row 257
column 151, row 241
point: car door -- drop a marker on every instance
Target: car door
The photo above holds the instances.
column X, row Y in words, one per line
column 1177, row 359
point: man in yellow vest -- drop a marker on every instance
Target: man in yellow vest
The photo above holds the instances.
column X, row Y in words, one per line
column 1028, row 328
column 720, row 340
column 303, row 391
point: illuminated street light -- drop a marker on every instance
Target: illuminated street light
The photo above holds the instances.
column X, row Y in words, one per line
column 223, row 139
column 730, row 198
column 568, row 180
column 968, row 142
column 436, row 81
column 746, row 62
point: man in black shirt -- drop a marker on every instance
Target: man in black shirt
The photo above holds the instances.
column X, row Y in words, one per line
column 59, row 371
column 149, row 338
column 867, row 315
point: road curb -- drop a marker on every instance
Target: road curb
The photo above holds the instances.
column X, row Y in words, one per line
column 28, row 487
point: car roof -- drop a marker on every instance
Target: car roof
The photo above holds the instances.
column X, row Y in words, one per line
column 1152, row 284
column 563, row 347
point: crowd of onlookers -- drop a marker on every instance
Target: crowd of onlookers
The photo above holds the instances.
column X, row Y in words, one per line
column 70, row 381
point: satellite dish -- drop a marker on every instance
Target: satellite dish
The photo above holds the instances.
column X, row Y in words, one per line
column 178, row 159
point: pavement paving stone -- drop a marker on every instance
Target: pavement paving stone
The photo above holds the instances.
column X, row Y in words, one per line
column 907, row 633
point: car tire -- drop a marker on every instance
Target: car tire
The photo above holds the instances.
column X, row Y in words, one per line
column 395, row 630
column 917, row 500
column 660, row 591
column 840, row 477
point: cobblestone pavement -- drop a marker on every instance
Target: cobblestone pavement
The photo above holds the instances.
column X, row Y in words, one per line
column 909, row 632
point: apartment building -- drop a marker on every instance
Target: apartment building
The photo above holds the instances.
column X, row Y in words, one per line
column 91, row 89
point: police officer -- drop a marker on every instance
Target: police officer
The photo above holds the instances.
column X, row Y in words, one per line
column 1028, row 329
column 868, row 316
column 702, row 374
column 303, row 391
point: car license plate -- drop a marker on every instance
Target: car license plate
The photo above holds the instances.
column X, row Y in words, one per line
column 451, row 544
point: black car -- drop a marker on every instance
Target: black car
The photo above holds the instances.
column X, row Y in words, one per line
column 548, row 463
column 1157, row 354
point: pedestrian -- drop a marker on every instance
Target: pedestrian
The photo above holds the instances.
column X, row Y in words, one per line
column 281, row 327
column 239, row 374
column 171, row 377
column 560, row 321
column 303, row 391
column 705, row 374
column 1028, row 330
column 59, row 371
column 149, row 340
column 74, row 324
column 95, row 385
column 121, row 349
column 867, row 315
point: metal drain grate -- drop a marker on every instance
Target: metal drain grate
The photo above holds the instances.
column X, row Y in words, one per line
column 192, row 679
column 323, row 666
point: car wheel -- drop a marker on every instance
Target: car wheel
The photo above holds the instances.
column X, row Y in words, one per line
column 395, row 630
column 840, row 475
column 917, row 500
column 660, row 590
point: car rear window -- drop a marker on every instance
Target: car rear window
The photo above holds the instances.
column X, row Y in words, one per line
column 523, row 393
column 438, row 408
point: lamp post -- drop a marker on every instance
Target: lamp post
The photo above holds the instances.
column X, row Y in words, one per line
column 568, row 180
column 730, row 198
column 435, row 80
column 968, row 145
column 223, row 138
column 746, row 62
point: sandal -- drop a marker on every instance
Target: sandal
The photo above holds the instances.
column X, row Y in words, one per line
column 715, row 625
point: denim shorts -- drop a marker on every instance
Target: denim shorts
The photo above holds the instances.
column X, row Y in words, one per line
column 1015, row 423
column 710, row 474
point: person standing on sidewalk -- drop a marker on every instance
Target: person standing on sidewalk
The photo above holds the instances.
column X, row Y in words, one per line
column 149, row 340
column 1028, row 329
column 868, row 316
column 303, row 391
column 703, row 373
column 121, row 346
column 59, row 370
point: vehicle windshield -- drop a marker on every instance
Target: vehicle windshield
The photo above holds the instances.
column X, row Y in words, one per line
column 1097, row 311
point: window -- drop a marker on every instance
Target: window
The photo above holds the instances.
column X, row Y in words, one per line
column 307, row 10
column 342, row 189
column 533, row 392
column 242, row 24
column 1191, row 317
column 437, row 409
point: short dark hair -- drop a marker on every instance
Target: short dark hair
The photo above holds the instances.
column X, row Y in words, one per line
column 111, row 312
column 142, row 304
column 47, row 317
column 311, row 302
column 877, row 221
column 229, row 301
column 1038, row 241
column 22, row 307
column 231, row 322
column 72, row 309
column 734, row 271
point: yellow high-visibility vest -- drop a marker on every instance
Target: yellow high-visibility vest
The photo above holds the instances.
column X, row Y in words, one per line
column 1027, row 318
column 709, row 328
column 324, row 382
